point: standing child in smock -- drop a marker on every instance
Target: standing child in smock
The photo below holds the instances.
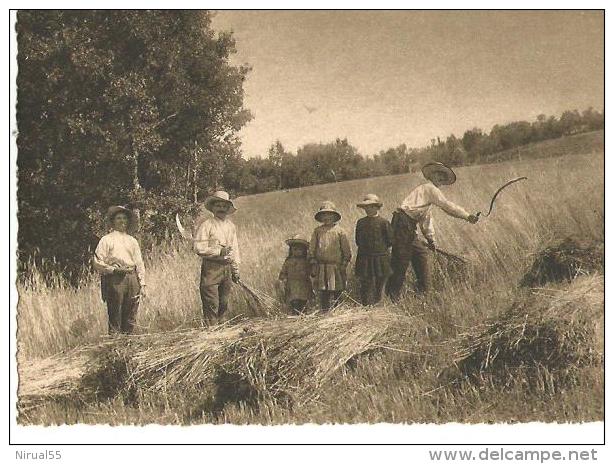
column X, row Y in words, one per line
column 294, row 276
column 374, row 239
column 330, row 254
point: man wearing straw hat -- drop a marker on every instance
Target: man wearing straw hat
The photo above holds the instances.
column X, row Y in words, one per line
column 415, row 211
column 216, row 243
column 122, row 274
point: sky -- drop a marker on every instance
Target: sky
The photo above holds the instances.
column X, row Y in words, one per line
column 382, row 78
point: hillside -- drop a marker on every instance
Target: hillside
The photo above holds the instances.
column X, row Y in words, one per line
column 588, row 142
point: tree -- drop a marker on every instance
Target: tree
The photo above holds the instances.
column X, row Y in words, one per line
column 471, row 141
column 112, row 108
column 569, row 122
column 277, row 155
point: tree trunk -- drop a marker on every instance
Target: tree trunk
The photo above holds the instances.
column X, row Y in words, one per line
column 194, row 183
column 187, row 178
column 136, row 191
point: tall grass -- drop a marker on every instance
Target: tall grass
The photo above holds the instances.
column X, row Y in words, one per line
column 563, row 196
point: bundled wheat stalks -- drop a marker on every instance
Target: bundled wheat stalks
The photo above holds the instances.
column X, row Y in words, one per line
column 564, row 260
column 289, row 357
column 52, row 377
column 557, row 329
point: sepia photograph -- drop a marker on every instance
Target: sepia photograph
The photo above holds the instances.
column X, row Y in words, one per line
column 289, row 217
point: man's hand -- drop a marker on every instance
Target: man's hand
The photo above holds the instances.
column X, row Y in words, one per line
column 236, row 278
column 225, row 251
column 430, row 244
column 473, row 218
column 313, row 271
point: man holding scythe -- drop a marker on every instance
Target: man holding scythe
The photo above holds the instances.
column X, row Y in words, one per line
column 415, row 211
column 215, row 241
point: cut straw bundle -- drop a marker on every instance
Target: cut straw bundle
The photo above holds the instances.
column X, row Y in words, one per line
column 559, row 329
column 564, row 260
column 51, row 377
column 289, row 357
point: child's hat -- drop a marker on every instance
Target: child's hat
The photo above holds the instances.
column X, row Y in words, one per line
column 327, row 207
column 222, row 196
column 370, row 199
column 431, row 168
column 297, row 239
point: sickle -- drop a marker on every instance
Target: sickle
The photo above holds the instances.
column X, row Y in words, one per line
column 494, row 197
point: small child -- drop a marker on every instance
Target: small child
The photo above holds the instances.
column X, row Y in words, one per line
column 373, row 238
column 329, row 255
column 294, row 276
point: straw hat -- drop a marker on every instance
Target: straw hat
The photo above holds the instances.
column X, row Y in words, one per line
column 327, row 207
column 431, row 168
column 132, row 219
column 297, row 239
column 370, row 199
column 220, row 195
column 113, row 210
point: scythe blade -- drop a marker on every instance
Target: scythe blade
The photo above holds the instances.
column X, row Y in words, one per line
column 494, row 197
column 184, row 233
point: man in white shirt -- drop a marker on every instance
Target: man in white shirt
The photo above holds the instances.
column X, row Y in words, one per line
column 122, row 274
column 216, row 242
column 416, row 211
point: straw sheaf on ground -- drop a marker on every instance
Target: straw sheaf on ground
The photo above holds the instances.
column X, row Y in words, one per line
column 558, row 329
column 289, row 358
column 564, row 260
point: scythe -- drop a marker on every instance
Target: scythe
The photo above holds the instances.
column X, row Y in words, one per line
column 494, row 197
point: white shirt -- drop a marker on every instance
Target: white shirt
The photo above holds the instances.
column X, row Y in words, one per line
column 119, row 249
column 212, row 235
column 418, row 205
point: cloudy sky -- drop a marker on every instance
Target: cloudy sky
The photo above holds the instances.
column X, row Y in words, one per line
column 385, row 78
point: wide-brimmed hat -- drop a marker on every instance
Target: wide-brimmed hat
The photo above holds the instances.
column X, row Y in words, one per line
column 370, row 199
column 113, row 210
column 431, row 168
column 133, row 225
column 220, row 195
column 327, row 207
column 297, row 239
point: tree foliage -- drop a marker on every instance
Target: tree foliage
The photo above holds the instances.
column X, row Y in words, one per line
column 330, row 162
column 116, row 106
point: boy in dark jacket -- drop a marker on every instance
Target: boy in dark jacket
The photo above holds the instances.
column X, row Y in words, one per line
column 373, row 238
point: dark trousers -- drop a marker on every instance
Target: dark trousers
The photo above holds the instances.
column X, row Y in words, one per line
column 329, row 299
column 121, row 294
column 298, row 306
column 418, row 255
column 215, row 288
column 371, row 290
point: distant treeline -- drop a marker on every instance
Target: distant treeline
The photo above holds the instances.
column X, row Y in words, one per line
column 339, row 160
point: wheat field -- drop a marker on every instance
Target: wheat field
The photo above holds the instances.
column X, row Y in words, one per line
column 562, row 196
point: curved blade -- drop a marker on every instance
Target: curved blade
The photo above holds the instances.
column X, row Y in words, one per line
column 494, row 197
column 184, row 233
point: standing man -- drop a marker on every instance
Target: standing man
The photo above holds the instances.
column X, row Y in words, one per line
column 122, row 274
column 216, row 243
column 415, row 210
